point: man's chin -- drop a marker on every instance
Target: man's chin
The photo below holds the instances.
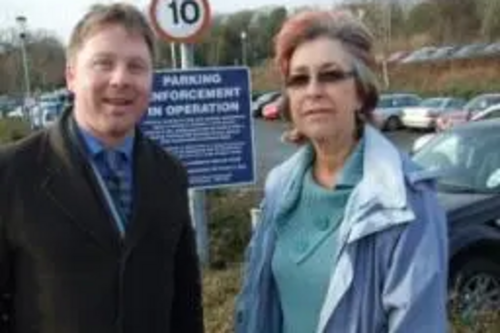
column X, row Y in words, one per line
column 120, row 130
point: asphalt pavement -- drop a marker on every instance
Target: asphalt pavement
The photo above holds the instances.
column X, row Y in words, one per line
column 270, row 150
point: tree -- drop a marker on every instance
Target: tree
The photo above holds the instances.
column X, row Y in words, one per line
column 458, row 20
column 422, row 18
column 46, row 61
column 489, row 11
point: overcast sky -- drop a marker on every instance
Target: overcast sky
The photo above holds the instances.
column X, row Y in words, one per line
column 59, row 16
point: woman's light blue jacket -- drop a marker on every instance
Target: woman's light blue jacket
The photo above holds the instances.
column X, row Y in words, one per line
column 391, row 272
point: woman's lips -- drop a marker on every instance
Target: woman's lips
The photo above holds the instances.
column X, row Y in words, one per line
column 313, row 112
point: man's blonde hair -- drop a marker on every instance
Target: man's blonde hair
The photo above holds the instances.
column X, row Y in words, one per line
column 100, row 16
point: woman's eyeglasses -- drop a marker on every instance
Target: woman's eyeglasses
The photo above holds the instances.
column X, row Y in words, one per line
column 326, row 77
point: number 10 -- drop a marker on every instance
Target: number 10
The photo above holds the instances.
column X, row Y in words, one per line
column 183, row 11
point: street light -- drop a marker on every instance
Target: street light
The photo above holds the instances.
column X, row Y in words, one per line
column 21, row 21
column 243, row 37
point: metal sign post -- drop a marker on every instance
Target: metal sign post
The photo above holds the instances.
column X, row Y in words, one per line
column 197, row 198
column 183, row 21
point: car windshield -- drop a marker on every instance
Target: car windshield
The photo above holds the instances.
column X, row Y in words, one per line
column 467, row 160
column 385, row 102
column 482, row 102
column 432, row 102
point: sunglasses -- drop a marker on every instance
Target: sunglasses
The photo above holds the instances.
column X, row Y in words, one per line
column 326, row 77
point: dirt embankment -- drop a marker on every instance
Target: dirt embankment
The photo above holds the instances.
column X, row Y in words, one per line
column 459, row 77
column 456, row 77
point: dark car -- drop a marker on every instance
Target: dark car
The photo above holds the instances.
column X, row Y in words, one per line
column 468, row 159
column 465, row 114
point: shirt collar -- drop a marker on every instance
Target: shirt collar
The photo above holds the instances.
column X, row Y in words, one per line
column 95, row 146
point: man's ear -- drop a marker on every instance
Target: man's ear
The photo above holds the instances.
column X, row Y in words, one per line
column 70, row 76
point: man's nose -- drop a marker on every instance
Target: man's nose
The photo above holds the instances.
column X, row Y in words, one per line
column 120, row 76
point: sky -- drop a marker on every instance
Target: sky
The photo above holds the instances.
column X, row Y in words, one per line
column 60, row 16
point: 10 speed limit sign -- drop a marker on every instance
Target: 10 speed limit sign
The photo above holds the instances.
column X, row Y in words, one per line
column 179, row 20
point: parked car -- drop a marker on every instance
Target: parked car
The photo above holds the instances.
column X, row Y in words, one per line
column 425, row 114
column 491, row 49
column 470, row 51
column 387, row 114
column 474, row 106
column 261, row 101
column 397, row 56
column 419, row 55
column 444, row 52
column 50, row 107
column 468, row 159
column 8, row 104
column 490, row 113
column 18, row 112
column 271, row 111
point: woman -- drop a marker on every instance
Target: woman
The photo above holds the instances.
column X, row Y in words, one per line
column 351, row 238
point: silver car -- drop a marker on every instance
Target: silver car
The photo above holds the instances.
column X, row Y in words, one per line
column 425, row 114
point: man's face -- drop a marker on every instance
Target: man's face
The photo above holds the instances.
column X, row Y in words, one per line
column 111, row 78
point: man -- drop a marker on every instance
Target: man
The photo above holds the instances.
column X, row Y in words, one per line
column 95, row 234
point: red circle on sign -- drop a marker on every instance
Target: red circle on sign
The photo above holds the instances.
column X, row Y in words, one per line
column 165, row 35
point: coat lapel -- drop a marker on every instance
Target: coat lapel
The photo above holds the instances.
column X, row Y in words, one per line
column 71, row 186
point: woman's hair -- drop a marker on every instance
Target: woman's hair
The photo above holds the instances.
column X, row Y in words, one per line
column 337, row 25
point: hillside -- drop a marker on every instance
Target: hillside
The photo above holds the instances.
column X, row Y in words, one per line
column 457, row 77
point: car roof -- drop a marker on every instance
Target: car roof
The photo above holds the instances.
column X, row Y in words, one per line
column 398, row 95
column 487, row 95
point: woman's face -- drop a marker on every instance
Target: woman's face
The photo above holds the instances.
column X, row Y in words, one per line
column 322, row 90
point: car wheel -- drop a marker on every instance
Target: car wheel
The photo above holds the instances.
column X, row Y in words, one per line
column 475, row 287
column 393, row 124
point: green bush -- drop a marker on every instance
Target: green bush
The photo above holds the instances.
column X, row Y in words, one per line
column 13, row 129
column 221, row 287
column 229, row 224
column 470, row 89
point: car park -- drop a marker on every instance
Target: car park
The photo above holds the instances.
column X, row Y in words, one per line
column 421, row 54
column 444, row 52
column 467, row 160
column 490, row 113
column 491, row 49
column 8, row 104
column 272, row 111
column 50, row 106
column 262, row 101
column 473, row 107
column 387, row 114
column 397, row 56
column 18, row 112
column 425, row 114
column 470, row 51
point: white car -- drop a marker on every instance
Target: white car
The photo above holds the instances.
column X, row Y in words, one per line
column 16, row 113
column 425, row 114
column 387, row 114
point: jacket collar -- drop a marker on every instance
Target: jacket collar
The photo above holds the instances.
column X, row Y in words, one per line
column 383, row 175
column 383, row 172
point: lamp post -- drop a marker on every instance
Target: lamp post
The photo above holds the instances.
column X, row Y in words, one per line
column 243, row 37
column 21, row 20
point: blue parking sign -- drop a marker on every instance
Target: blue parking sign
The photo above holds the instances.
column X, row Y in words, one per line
column 202, row 116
